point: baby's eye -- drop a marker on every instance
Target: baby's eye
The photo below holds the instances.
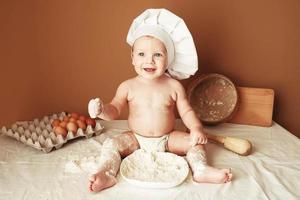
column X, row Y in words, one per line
column 141, row 54
column 158, row 55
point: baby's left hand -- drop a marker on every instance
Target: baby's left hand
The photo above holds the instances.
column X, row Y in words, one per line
column 197, row 137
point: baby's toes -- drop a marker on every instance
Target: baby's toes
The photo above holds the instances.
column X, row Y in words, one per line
column 90, row 186
column 230, row 175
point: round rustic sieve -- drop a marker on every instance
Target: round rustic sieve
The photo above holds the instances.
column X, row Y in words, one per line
column 213, row 97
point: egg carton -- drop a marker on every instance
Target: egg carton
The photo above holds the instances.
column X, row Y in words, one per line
column 40, row 135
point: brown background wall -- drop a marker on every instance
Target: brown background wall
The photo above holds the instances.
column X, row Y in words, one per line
column 57, row 54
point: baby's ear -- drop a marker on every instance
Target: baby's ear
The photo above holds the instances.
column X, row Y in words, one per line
column 131, row 52
column 132, row 60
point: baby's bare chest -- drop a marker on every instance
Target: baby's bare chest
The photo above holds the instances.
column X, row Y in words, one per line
column 152, row 98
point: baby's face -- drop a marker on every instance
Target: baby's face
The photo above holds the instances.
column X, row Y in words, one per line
column 149, row 57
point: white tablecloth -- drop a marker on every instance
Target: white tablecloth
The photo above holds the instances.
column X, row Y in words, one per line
column 272, row 171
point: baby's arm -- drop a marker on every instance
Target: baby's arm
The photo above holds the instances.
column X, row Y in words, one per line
column 113, row 109
column 189, row 117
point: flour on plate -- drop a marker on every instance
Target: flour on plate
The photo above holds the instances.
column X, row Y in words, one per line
column 154, row 169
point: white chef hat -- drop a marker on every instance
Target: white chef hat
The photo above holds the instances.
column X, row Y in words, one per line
column 172, row 31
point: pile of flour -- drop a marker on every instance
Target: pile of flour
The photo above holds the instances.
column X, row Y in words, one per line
column 154, row 169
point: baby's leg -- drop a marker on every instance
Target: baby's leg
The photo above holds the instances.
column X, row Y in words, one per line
column 178, row 143
column 111, row 153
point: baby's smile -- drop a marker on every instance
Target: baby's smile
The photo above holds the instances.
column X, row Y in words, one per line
column 149, row 69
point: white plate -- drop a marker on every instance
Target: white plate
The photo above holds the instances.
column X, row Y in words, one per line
column 154, row 169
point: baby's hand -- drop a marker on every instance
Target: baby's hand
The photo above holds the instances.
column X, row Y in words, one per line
column 197, row 137
column 95, row 107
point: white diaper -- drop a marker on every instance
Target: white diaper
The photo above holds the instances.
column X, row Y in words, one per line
column 150, row 144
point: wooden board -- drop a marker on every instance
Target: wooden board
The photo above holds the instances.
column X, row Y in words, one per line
column 255, row 107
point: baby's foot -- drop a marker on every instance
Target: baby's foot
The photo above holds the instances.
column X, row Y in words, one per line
column 213, row 175
column 100, row 181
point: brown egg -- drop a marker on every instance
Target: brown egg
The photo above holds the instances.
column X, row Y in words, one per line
column 82, row 118
column 75, row 115
column 66, row 118
column 72, row 119
column 63, row 124
column 55, row 122
column 58, row 130
column 72, row 126
column 90, row 121
column 81, row 124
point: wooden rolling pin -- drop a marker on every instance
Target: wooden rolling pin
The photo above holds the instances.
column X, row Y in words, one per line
column 237, row 145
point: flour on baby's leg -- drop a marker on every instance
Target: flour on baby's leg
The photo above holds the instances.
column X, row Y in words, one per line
column 109, row 164
column 110, row 160
column 202, row 173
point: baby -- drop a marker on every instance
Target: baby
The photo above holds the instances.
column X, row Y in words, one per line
column 152, row 96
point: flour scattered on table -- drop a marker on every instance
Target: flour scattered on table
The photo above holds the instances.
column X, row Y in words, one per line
column 88, row 164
